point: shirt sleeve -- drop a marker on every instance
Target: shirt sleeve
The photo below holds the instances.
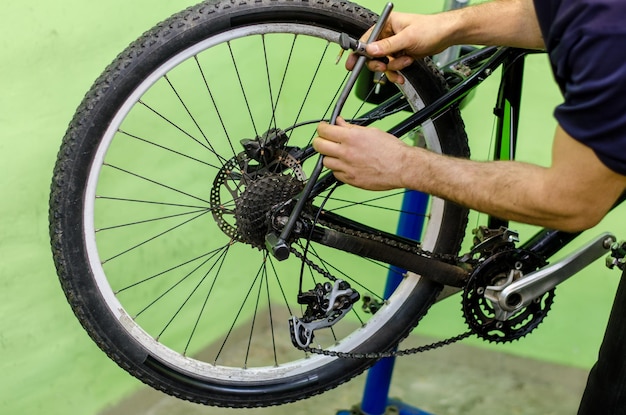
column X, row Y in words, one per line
column 593, row 67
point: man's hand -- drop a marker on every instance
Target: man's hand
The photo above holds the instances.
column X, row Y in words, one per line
column 404, row 38
column 363, row 157
column 407, row 37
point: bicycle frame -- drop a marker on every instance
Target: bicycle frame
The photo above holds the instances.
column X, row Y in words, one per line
column 465, row 74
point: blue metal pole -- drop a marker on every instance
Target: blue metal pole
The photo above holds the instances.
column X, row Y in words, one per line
column 378, row 382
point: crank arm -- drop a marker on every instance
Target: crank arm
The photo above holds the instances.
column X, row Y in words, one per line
column 522, row 292
column 277, row 244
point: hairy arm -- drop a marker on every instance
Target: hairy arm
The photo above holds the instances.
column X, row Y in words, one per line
column 497, row 22
column 406, row 37
column 574, row 193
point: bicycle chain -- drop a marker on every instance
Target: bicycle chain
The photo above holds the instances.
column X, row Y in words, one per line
column 381, row 355
column 414, row 249
column 378, row 355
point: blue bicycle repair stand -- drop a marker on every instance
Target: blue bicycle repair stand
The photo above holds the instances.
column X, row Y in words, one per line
column 376, row 399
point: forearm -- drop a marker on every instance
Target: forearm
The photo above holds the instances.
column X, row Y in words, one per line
column 509, row 190
column 497, row 22
column 573, row 194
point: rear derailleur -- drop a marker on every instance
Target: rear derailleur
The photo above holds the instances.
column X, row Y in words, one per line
column 326, row 304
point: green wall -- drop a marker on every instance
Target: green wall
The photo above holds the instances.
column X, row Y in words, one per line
column 51, row 53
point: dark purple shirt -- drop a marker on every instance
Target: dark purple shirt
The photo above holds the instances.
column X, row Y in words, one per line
column 586, row 41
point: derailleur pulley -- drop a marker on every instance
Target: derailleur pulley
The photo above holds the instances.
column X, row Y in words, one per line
column 326, row 304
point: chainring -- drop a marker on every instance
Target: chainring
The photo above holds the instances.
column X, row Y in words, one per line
column 479, row 312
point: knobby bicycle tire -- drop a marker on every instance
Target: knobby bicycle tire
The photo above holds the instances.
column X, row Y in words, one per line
column 143, row 206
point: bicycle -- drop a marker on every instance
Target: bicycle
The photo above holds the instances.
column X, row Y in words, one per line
column 170, row 183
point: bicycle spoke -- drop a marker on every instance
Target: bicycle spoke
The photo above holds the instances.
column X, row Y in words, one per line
column 271, row 315
column 139, row 222
column 169, row 82
column 242, row 89
column 254, row 316
column 331, row 104
column 282, row 81
column 269, row 85
column 365, row 100
column 149, row 202
column 173, row 268
column 136, row 175
column 204, row 304
column 367, row 202
column 188, row 297
column 370, row 205
column 239, row 313
column 312, row 82
column 287, row 303
column 159, row 235
column 167, row 149
column 173, row 124
column 215, row 107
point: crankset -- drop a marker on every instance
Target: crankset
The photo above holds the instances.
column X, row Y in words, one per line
column 480, row 308
column 510, row 292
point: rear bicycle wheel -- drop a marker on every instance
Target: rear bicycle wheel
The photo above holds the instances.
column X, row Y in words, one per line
column 157, row 253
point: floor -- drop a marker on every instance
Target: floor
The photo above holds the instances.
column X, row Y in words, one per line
column 458, row 379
